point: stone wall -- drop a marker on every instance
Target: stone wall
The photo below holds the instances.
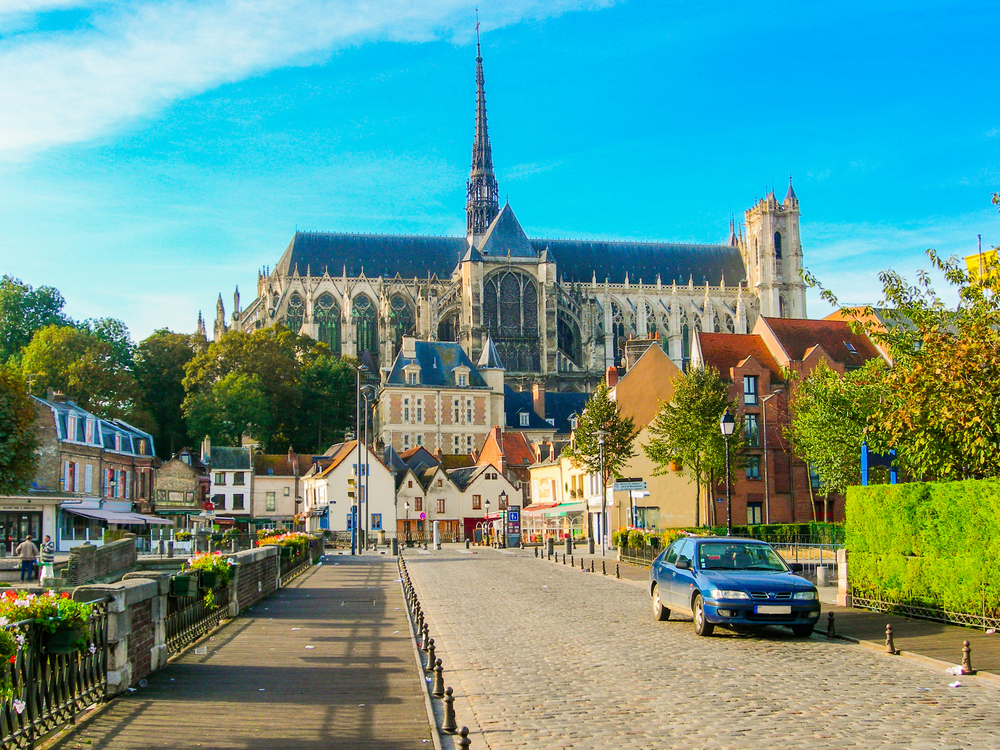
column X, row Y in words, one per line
column 137, row 611
column 110, row 562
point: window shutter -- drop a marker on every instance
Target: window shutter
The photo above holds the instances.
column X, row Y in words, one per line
column 88, row 479
column 76, row 477
column 65, row 480
column 127, row 488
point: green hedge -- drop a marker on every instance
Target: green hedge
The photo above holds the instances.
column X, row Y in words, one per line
column 927, row 544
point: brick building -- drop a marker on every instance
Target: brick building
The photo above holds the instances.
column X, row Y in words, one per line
column 182, row 489
column 761, row 369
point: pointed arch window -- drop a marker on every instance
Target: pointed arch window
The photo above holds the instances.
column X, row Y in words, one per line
column 295, row 313
column 400, row 320
column 326, row 313
column 366, row 322
column 651, row 328
column 777, row 245
column 510, row 316
column 618, row 332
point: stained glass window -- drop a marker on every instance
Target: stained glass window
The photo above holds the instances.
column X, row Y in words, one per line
column 366, row 322
column 294, row 313
column 401, row 321
column 326, row 313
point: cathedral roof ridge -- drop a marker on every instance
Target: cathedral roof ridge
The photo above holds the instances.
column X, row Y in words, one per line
column 328, row 233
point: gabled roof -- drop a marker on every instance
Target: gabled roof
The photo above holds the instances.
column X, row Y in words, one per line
column 437, row 360
column 724, row 351
column 467, row 475
column 278, row 465
column 225, row 458
column 505, row 237
column 104, row 429
column 513, row 446
column 796, row 337
column 393, row 460
column 418, row 455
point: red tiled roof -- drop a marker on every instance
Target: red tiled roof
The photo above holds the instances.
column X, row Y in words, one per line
column 516, row 448
column 797, row 337
column 724, row 351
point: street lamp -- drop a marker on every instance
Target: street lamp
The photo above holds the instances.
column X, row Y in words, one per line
column 604, row 493
column 727, row 424
column 503, row 518
column 357, row 471
column 406, row 505
column 485, row 541
column 369, row 393
column 767, row 488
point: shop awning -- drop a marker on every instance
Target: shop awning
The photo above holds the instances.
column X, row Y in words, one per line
column 539, row 507
column 111, row 516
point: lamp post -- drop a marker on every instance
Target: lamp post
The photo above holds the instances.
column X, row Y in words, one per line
column 407, row 506
column 503, row 518
column 727, row 424
column 486, row 541
column 767, row 486
column 357, row 467
column 368, row 393
column 604, row 492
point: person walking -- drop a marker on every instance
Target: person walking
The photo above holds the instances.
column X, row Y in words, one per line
column 47, row 558
column 27, row 552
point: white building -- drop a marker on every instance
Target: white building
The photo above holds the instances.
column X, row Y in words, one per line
column 231, row 475
column 326, row 486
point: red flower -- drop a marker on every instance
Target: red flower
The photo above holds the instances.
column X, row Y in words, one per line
column 13, row 659
column 65, row 595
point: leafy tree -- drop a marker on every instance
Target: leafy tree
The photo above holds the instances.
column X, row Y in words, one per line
column 941, row 403
column 82, row 366
column 23, row 311
column 159, row 372
column 18, row 443
column 235, row 406
column 115, row 333
column 328, row 401
column 687, row 430
column 830, row 421
column 601, row 413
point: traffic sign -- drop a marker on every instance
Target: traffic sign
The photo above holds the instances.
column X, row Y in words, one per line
column 630, row 485
column 423, row 516
column 513, row 515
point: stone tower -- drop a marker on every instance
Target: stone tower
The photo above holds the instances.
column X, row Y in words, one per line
column 772, row 256
column 482, row 197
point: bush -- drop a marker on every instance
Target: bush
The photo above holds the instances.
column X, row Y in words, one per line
column 928, row 544
column 636, row 539
column 183, row 536
column 212, row 561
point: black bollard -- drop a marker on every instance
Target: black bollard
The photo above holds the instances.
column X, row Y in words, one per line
column 564, row 559
column 617, row 573
column 464, row 742
column 536, row 552
column 573, row 564
column 890, row 647
column 591, row 566
column 967, row 658
column 430, row 653
column 438, row 691
column 604, row 568
column 831, row 628
column 449, row 725
column 467, row 544
column 581, row 563
column 426, row 637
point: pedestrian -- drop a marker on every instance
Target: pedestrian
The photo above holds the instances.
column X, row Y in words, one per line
column 27, row 552
column 48, row 558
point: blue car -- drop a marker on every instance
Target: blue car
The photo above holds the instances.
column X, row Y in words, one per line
column 733, row 583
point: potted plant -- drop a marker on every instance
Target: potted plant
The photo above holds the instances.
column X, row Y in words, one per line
column 62, row 622
column 185, row 584
column 213, row 567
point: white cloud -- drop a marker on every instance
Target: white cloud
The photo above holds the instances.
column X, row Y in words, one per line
column 132, row 60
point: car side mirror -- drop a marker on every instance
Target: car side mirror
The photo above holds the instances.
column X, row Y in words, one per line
column 683, row 565
column 795, row 567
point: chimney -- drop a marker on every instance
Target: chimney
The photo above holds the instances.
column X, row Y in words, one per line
column 612, row 376
column 57, row 397
column 538, row 399
column 206, row 450
column 293, row 461
column 409, row 347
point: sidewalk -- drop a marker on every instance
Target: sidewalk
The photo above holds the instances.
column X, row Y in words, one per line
column 923, row 638
column 326, row 662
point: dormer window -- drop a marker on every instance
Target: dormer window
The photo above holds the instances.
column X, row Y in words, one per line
column 411, row 378
column 71, row 427
column 463, row 379
column 118, row 442
column 461, row 376
column 411, row 374
column 524, row 418
column 572, row 423
column 90, row 431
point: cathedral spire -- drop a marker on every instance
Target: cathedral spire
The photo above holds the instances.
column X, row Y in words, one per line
column 482, row 204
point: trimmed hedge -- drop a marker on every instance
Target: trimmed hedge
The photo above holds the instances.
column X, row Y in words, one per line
column 932, row 545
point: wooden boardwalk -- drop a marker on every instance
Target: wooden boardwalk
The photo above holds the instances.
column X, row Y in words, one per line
column 325, row 663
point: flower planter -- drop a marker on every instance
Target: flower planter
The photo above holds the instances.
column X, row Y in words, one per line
column 287, row 552
column 209, row 579
column 66, row 640
column 184, row 585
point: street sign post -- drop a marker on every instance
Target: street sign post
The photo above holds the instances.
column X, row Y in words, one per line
column 629, row 485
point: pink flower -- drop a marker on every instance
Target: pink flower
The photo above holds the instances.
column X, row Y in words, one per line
column 20, row 705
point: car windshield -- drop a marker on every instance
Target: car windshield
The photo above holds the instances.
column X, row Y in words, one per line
column 738, row 556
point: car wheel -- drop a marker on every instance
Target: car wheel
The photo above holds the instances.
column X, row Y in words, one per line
column 701, row 625
column 802, row 631
column 659, row 611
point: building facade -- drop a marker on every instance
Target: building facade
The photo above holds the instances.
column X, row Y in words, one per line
column 278, row 489
column 558, row 311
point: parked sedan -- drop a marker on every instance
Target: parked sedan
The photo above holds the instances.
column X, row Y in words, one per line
column 731, row 582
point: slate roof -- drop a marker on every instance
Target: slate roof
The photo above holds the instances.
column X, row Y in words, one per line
column 437, row 360
column 724, row 351
column 466, row 475
column 490, row 358
column 278, row 465
column 558, row 408
column 798, row 336
column 578, row 261
column 104, row 432
column 224, row 458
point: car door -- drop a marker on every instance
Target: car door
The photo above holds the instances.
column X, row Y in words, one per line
column 682, row 581
column 662, row 568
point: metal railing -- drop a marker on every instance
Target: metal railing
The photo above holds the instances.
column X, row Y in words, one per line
column 641, row 556
column 191, row 617
column 875, row 602
column 50, row 689
column 811, row 557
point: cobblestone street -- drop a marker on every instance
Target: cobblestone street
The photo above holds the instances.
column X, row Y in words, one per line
column 544, row 656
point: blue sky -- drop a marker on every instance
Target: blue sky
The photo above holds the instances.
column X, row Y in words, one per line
column 154, row 154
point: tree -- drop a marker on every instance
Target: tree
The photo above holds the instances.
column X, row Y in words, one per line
column 82, row 366
column 328, row 401
column 18, row 442
column 602, row 414
column 159, row 372
column 941, row 402
column 115, row 333
column 23, row 311
column 830, row 421
column 686, row 430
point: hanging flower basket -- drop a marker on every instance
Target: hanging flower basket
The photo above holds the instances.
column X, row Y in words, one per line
column 184, row 585
column 209, row 579
column 66, row 639
column 287, row 553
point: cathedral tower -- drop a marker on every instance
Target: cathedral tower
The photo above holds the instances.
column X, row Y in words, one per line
column 482, row 200
column 772, row 255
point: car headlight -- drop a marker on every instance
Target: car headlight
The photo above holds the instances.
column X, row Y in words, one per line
column 724, row 594
column 805, row 596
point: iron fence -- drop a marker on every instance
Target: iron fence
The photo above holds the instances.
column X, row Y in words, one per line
column 810, row 557
column 874, row 601
column 191, row 617
column 640, row 556
column 49, row 689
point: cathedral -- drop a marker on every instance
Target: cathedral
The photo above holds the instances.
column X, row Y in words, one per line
column 558, row 311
